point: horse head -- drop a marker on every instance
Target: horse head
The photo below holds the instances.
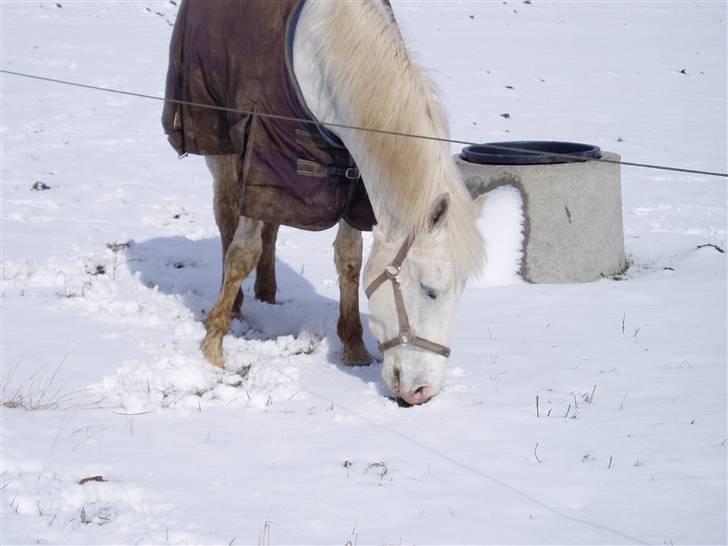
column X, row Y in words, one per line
column 412, row 317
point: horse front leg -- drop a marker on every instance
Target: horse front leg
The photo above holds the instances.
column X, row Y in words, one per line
column 240, row 259
column 348, row 259
column 227, row 202
column 265, row 272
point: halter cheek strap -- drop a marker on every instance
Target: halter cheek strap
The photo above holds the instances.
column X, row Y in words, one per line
column 405, row 336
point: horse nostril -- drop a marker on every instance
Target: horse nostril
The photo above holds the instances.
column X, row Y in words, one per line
column 420, row 391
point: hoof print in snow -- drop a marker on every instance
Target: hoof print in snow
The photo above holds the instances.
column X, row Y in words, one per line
column 40, row 186
column 240, row 375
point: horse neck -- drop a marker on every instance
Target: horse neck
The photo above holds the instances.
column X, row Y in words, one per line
column 353, row 69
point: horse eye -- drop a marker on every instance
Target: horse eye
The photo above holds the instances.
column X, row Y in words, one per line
column 429, row 292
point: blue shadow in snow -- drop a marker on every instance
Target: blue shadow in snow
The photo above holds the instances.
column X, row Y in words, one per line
column 191, row 270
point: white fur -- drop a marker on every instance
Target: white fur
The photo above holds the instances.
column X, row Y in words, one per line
column 352, row 68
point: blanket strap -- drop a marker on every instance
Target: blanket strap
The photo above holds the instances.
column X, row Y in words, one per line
column 305, row 167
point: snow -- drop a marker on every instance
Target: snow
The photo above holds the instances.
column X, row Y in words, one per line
column 106, row 275
column 502, row 224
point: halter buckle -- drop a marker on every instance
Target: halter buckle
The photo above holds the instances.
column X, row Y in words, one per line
column 392, row 271
column 352, row 173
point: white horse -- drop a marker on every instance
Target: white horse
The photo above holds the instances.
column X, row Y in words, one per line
column 353, row 68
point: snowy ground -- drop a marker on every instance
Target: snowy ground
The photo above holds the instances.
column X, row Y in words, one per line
column 106, row 276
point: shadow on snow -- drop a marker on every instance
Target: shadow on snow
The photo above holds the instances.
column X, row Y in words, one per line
column 191, row 270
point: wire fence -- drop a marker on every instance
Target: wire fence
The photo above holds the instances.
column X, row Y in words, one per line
column 499, row 147
column 475, row 471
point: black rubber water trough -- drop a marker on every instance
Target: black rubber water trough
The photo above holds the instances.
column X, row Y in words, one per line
column 529, row 152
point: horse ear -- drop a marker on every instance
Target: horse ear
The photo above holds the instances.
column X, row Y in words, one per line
column 439, row 211
column 478, row 204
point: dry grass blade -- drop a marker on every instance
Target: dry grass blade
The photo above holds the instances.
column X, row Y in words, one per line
column 38, row 392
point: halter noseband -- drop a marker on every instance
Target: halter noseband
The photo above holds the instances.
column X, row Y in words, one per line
column 405, row 337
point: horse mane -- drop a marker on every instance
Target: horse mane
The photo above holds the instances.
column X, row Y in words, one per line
column 381, row 86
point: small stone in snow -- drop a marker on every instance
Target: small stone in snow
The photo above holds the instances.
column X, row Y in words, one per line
column 683, row 71
column 471, row 16
column 509, row 87
column 91, row 479
column 506, row 116
column 40, row 186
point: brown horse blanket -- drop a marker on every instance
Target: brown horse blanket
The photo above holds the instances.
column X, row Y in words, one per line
column 239, row 55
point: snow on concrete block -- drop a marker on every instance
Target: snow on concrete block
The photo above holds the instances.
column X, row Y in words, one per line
column 572, row 229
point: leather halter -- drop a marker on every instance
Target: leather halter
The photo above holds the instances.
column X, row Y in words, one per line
column 406, row 336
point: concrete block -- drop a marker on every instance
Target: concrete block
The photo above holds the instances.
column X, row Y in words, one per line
column 573, row 229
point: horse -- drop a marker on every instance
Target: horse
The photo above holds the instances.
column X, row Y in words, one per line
column 353, row 69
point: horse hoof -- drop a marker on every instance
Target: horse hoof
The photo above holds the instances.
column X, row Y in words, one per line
column 357, row 357
column 266, row 298
column 217, row 362
column 212, row 354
